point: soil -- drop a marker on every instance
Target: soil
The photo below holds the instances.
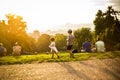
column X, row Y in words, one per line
column 99, row 69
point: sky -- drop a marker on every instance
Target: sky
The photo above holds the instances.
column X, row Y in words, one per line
column 46, row 15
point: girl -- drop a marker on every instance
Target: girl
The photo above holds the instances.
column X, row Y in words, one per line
column 53, row 48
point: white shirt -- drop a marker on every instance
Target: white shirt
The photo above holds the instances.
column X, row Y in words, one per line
column 70, row 39
column 53, row 47
column 100, row 46
column 17, row 49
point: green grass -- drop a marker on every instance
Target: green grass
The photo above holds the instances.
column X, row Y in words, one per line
column 64, row 57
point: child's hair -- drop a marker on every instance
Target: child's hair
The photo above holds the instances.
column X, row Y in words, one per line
column 52, row 39
column 69, row 31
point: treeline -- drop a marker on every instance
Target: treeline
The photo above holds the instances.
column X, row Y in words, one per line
column 14, row 30
column 107, row 27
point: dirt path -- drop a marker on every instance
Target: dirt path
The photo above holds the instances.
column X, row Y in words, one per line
column 106, row 69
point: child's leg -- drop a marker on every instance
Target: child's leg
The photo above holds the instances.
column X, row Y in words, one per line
column 57, row 55
column 52, row 55
column 69, row 48
column 71, row 54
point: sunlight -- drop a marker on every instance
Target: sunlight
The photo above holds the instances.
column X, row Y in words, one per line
column 50, row 14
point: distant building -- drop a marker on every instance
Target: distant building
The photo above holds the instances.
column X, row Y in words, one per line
column 35, row 34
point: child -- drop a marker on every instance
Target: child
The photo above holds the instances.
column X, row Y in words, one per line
column 17, row 49
column 70, row 40
column 100, row 45
column 53, row 48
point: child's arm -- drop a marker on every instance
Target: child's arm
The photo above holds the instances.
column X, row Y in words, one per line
column 52, row 45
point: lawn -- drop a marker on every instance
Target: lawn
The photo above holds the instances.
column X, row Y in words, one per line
column 64, row 57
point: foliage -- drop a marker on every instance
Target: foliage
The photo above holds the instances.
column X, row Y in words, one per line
column 81, row 35
column 64, row 57
column 60, row 40
column 99, row 22
column 43, row 43
column 107, row 27
column 14, row 30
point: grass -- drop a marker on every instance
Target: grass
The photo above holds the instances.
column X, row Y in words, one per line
column 64, row 57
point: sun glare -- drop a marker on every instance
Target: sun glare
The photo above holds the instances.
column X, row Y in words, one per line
column 45, row 15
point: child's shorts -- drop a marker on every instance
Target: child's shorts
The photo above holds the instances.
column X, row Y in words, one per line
column 69, row 47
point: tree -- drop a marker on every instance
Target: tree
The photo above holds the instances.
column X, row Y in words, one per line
column 4, row 34
column 108, row 27
column 43, row 43
column 14, row 30
column 60, row 40
column 16, row 24
column 81, row 35
column 99, row 22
